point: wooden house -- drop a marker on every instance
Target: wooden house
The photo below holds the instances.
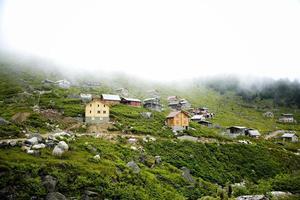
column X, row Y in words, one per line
column 131, row 102
column 110, row 99
column 174, row 105
column 152, row 104
column 292, row 137
column 235, row 131
column 205, row 123
column 184, row 104
column 286, row 118
column 252, row 133
column 178, row 120
column 96, row 112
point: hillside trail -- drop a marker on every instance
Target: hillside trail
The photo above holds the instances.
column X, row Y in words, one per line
column 112, row 135
column 273, row 134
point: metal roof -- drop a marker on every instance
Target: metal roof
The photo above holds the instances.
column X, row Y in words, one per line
column 111, row 97
column 198, row 117
column 238, row 127
column 288, row 135
column 174, row 113
column 254, row 133
column 132, row 99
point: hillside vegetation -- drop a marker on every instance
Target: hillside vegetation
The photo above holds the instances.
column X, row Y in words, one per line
column 215, row 167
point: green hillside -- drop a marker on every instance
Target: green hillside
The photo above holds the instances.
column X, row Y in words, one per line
column 216, row 162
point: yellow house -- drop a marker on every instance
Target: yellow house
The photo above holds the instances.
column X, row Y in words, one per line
column 96, row 112
column 178, row 120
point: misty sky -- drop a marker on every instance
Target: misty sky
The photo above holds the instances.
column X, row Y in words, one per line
column 158, row 39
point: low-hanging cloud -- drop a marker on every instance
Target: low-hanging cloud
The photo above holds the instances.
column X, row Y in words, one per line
column 158, row 40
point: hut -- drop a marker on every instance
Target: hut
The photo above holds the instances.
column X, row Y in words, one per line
column 292, row 137
column 235, row 131
column 252, row 133
column 131, row 102
column 178, row 120
column 152, row 104
column 110, row 99
column 286, row 118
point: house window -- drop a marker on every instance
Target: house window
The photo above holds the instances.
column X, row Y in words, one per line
column 90, row 111
column 98, row 105
column 98, row 111
column 90, row 105
column 104, row 111
column 104, row 106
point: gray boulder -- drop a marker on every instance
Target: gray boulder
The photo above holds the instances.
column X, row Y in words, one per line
column 134, row 167
column 12, row 143
column 50, row 183
column 157, row 160
column 38, row 136
column 32, row 141
column 38, row 146
column 58, row 152
column 3, row 121
column 63, row 145
column 55, row 196
column 186, row 175
column 252, row 197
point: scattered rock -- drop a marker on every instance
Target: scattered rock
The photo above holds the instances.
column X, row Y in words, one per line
column 132, row 140
column 149, row 138
column 25, row 148
column 3, row 121
column 57, row 151
column 38, row 146
column 3, row 144
column 157, row 160
column 90, row 195
column 133, row 148
column 186, row 175
column 268, row 114
column 55, row 196
column 96, row 157
column 134, row 167
column 63, row 145
column 279, row 194
column 38, row 136
column 32, row 141
column 146, row 115
column 50, row 183
column 252, row 197
column 34, row 152
column 61, row 134
column 12, row 143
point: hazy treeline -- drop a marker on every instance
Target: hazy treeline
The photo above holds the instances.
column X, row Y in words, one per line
column 282, row 92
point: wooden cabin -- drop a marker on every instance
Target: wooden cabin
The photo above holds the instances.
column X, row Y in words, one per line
column 291, row 137
column 96, row 112
column 286, row 118
column 178, row 120
column 152, row 104
column 235, row 131
column 110, row 99
column 131, row 102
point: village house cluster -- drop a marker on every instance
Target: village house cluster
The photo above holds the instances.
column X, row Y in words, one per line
column 97, row 112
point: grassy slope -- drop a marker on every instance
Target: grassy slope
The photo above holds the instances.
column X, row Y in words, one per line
column 210, row 164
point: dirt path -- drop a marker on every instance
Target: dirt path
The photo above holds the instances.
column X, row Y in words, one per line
column 273, row 134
